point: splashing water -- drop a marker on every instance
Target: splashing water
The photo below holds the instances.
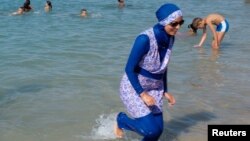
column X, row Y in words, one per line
column 104, row 127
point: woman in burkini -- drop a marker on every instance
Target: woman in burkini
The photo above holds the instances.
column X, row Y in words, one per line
column 218, row 20
column 144, row 83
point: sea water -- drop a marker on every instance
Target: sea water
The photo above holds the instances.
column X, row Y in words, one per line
column 60, row 73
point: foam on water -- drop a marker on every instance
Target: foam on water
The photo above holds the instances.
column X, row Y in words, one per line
column 104, row 127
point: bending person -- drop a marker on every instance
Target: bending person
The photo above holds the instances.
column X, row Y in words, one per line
column 211, row 20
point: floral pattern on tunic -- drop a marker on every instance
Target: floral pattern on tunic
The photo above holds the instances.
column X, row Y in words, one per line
column 150, row 62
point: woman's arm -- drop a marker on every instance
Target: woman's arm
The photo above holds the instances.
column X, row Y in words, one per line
column 139, row 49
column 170, row 98
column 203, row 38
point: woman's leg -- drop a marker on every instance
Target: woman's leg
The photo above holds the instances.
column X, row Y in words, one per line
column 149, row 126
column 220, row 36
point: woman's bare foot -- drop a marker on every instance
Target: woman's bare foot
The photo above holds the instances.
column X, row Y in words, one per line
column 118, row 131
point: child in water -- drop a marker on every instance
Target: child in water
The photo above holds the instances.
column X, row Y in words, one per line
column 84, row 13
column 48, row 6
column 121, row 3
column 27, row 6
column 218, row 20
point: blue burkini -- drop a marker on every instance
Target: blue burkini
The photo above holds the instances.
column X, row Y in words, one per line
column 146, row 70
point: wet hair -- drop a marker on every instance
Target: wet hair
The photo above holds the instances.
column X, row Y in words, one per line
column 49, row 3
column 120, row 1
column 84, row 10
column 194, row 24
column 26, row 4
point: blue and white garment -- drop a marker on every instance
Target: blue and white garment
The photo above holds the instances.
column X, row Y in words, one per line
column 155, row 87
column 167, row 13
column 146, row 70
column 223, row 26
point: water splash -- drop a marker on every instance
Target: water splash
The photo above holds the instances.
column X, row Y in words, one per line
column 104, row 127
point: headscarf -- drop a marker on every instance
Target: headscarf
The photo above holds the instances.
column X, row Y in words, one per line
column 167, row 13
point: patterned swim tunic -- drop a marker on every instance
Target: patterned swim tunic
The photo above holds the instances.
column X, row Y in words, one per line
column 154, row 86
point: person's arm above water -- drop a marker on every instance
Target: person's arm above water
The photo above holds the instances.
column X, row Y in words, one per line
column 203, row 38
column 139, row 49
column 168, row 96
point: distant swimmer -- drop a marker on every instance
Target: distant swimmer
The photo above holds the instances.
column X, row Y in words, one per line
column 211, row 20
column 121, row 3
column 19, row 11
column 84, row 13
column 48, row 6
column 27, row 6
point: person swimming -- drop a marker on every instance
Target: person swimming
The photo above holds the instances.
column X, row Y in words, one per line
column 27, row 6
column 19, row 11
column 48, row 6
column 83, row 13
column 121, row 3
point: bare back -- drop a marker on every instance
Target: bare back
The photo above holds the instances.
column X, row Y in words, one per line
column 214, row 18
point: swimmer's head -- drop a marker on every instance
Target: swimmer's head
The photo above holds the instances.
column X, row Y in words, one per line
column 120, row 1
column 84, row 12
column 49, row 3
column 26, row 4
column 48, row 6
column 196, row 24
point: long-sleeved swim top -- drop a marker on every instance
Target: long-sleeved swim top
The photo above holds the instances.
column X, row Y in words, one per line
column 140, row 48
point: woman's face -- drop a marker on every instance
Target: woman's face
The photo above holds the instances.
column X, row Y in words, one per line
column 174, row 26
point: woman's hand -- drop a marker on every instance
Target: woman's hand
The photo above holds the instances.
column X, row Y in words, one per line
column 147, row 99
column 197, row 46
column 170, row 98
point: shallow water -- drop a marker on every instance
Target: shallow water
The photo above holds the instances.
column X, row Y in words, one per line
column 60, row 73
